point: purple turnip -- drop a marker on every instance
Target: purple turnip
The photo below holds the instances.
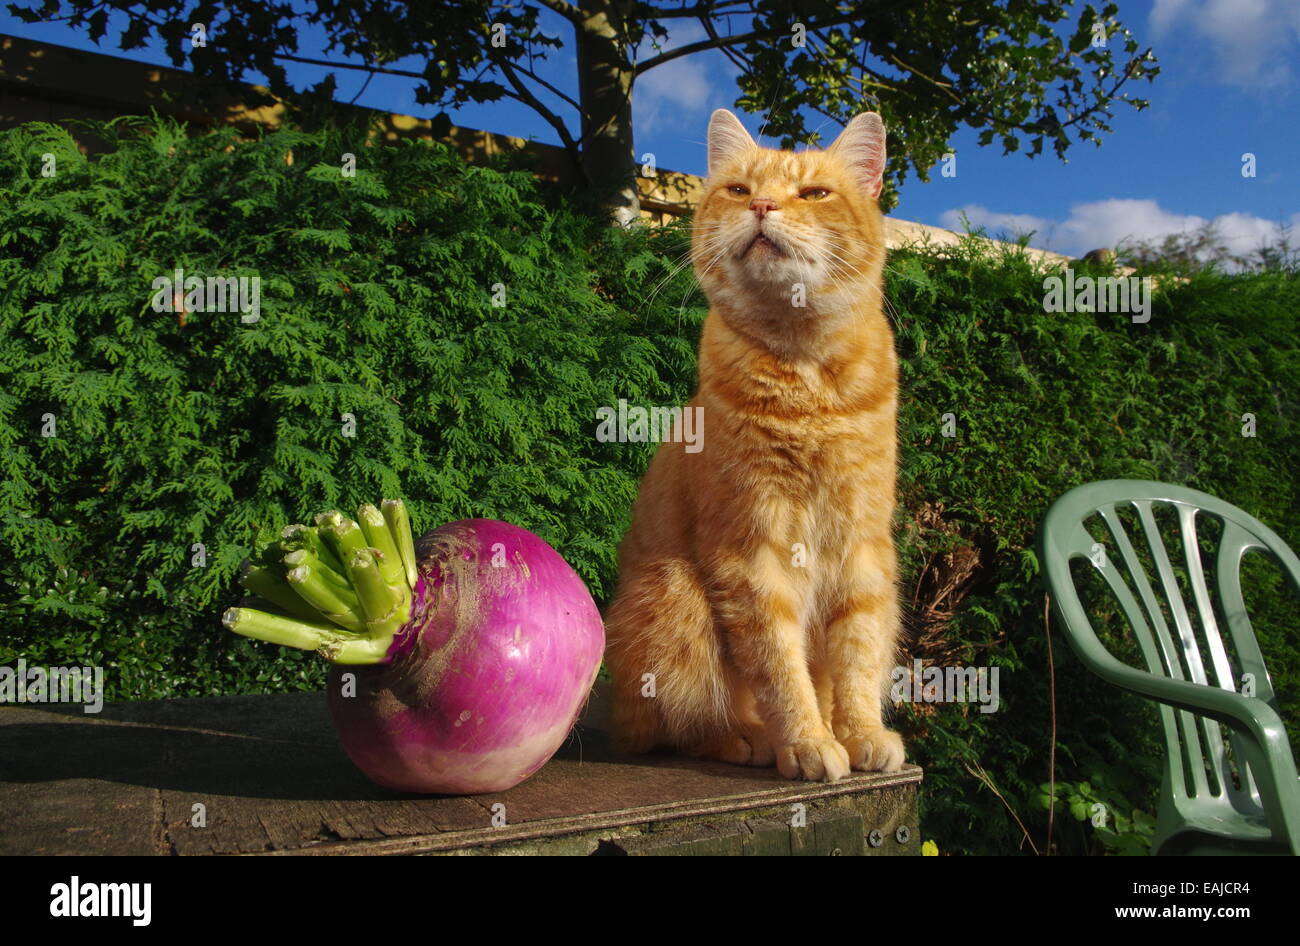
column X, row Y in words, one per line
column 461, row 661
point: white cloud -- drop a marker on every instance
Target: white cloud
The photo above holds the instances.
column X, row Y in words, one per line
column 666, row 95
column 1107, row 223
column 676, row 97
column 1244, row 232
column 1254, row 42
column 678, row 90
column 1164, row 13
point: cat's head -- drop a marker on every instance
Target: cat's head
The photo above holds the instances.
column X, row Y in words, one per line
column 778, row 232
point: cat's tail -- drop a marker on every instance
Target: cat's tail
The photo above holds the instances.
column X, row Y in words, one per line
column 663, row 652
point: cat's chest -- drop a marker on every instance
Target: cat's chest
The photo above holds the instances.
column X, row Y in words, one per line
column 823, row 450
column 825, row 472
column 820, row 475
column 808, row 448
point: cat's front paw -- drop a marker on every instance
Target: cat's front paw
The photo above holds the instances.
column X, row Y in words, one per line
column 874, row 750
column 813, row 759
column 750, row 747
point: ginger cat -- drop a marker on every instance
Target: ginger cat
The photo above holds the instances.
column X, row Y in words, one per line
column 757, row 581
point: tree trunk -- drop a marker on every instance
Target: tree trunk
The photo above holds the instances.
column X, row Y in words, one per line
column 605, row 93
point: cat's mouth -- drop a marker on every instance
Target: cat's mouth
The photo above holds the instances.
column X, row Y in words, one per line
column 761, row 244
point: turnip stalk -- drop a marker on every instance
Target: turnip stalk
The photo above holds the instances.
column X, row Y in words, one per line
column 378, row 600
column 399, row 524
column 347, row 613
column 346, row 537
column 381, row 540
column 341, row 607
column 338, row 578
column 350, row 613
column 326, row 639
column 324, row 519
column 299, row 536
column 264, row 582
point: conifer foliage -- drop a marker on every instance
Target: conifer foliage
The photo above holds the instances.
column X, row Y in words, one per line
column 426, row 329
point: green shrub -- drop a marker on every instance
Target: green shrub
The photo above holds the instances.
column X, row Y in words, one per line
column 377, row 302
column 377, row 307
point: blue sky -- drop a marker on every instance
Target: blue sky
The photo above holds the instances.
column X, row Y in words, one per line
column 1229, row 84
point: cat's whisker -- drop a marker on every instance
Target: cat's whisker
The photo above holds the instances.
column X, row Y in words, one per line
column 702, row 272
column 845, row 267
column 678, row 265
column 713, row 262
column 675, row 266
column 841, row 268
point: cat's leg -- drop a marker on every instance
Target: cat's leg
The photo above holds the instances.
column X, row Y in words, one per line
column 635, row 718
column 744, row 741
column 861, row 640
column 635, row 721
column 825, row 694
column 749, row 723
column 663, row 653
column 756, row 604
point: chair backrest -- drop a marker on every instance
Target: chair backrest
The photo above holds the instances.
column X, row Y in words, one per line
column 1171, row 615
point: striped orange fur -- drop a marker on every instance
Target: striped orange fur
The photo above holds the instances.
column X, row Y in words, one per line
column 756, row 617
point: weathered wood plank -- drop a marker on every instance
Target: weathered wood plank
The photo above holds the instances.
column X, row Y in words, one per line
column 768, row 838
column 836, row 832
column 243, row 775
column 704, row 840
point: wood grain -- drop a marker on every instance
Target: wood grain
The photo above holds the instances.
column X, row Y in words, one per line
column 269, row 777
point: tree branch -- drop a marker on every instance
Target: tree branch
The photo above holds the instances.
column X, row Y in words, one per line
column 871, row 78
column 740, row 62
column 1034, row 127
column 702, row 8
column 946, row 87
column 704, row 44
column 524, row 95
column 564, row 9
column 548, row 87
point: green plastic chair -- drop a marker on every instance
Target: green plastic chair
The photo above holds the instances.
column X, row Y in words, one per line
column 1202, row 810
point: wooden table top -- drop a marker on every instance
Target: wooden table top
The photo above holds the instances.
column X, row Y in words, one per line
column 271, row 777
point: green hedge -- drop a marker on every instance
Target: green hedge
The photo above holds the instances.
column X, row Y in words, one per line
column 377, row 302
column 1044, row 402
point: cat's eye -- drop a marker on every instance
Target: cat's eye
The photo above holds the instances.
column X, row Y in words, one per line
column 814, row 193
column 738, row 189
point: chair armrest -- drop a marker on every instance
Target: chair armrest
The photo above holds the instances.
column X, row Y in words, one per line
column 1227, row 706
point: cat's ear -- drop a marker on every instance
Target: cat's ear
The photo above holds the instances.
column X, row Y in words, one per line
column 862, row 145
column 727, row 138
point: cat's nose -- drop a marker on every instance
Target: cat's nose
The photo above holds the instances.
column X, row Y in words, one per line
column 761, row 205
